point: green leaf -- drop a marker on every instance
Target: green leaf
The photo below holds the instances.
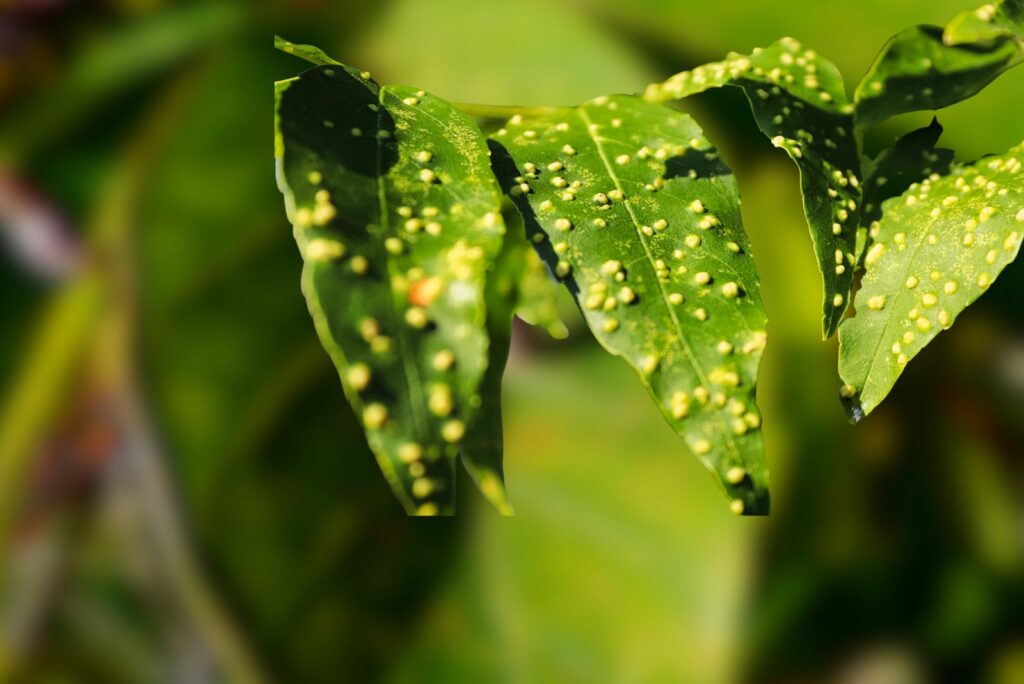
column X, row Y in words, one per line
column 483, row 447
column 799, row 102
column 938, row 248
column 630, row 205
column 310, row 53
column 991, row 21
column 913, row 158
column 918, row 70
column 538, row 297
column 536, row 291
column 397, row 217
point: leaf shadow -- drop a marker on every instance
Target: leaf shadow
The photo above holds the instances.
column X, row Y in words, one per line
column 695, row 163
column 338, row 115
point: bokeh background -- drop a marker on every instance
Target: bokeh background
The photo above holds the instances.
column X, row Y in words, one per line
column 186, row 497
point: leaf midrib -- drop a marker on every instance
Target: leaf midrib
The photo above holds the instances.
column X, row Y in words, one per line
column 581, row 112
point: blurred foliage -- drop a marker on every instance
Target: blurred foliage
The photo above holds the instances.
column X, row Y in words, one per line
column 895, row 549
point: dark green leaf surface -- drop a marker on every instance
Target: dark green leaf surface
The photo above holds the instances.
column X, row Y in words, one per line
column 913, row 158
column 799, row 102
column 630, row 205
column 917, row 70
column 397, row 217
column 938, row 248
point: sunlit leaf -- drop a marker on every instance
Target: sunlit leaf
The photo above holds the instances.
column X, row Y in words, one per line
column 799, row 102
column 310, row 53
column 396, row 214
column 632, row 208
column 913, row 158
column 937, row 249
column 918, row 70
column 991, row 21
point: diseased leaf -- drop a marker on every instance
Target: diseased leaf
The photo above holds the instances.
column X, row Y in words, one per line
column 913, row 158
column 918, row 70
column 631, row 207
column 938, row 248
column 396, row 214
column 799, row 102
column 991, row 21
column 538, row 297
column 536, row 292
column 310, row 53
column 483, row 447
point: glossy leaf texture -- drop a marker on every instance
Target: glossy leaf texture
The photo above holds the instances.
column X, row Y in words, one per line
column 397, row 216
column 799, row 102
column 938, row 248
column 991, row 21
column 913, row 158
column 928, row 67
column 632, row 208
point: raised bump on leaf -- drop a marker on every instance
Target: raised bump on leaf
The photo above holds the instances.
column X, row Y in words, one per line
column 939, row 247
column 631, row 207
column 799, row 102
column 396, row 214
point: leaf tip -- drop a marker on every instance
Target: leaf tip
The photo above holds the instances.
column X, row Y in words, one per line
column 757, row 503
column 849, row 397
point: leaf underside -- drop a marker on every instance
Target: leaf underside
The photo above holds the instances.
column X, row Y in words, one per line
column 937, row 249
column 918, row 70
column 799, row 102
column 631, row 207
column 397, row 217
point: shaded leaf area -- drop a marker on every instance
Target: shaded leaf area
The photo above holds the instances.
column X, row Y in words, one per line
column 937, row 249
column 991, row 21
column 913, row 158
column 918, row 70
column 537, row 302
column 631, row 207
column 799, row 102
column 317, row 562
column 396, row 214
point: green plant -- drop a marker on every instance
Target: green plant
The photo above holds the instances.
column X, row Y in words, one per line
column 414, row 263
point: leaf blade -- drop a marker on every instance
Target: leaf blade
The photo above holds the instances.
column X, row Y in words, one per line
column 991, row 21
column 928, row 67
column 653, row 186
column 913, row 158
column 800, row 104
column 397, row 218
column 939, row 247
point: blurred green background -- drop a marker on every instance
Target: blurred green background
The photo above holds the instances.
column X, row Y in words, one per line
column 186, row 497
